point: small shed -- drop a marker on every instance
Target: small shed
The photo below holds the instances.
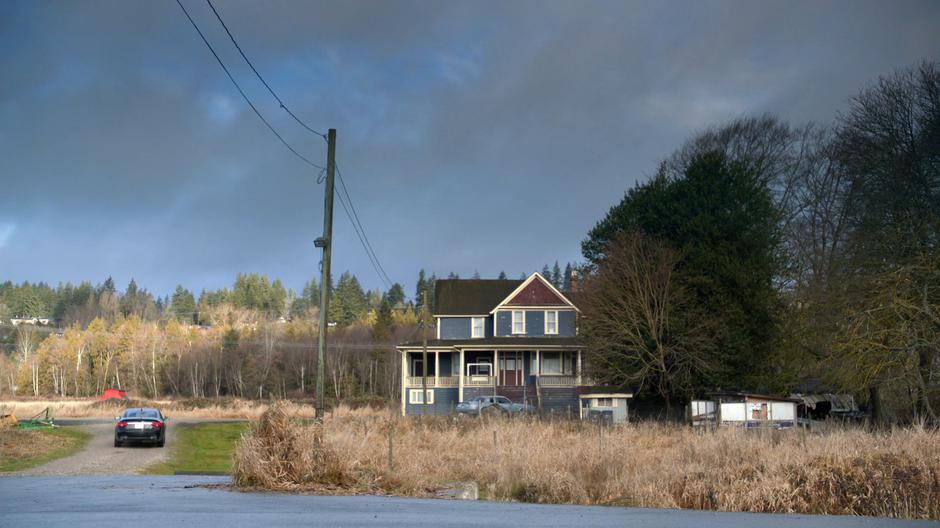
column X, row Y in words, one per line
column 741, row 409
column 607, row 407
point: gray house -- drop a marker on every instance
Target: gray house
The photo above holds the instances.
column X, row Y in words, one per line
column 513, row 338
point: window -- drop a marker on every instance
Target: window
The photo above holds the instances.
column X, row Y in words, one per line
column 476, row 327
column 479, row 369
column 415, row 397
column 551, row 322
column 518, row 322
column 551, row 363
column 603, row 402
column 417, row 367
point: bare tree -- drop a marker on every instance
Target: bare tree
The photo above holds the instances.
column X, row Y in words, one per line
column 640, row 325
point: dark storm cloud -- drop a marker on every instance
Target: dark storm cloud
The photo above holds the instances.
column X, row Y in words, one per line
column 473, row 136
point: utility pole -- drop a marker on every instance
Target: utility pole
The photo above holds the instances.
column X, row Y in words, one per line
column 424, row 353
column 325, row 242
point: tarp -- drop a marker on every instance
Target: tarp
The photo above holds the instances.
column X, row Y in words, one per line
column 113, row 393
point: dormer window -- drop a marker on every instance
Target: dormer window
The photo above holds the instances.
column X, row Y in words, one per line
column 551, row 322
column 518, row 322
column 476, row 327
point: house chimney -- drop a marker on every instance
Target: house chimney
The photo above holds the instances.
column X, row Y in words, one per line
column 575, row 285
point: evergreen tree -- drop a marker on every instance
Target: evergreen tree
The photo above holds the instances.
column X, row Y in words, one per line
column 420, row 288
column 476, row 275
column 183, row 305
column 566, row 282
column 502, row 275
column 348, row 302
column 547, row 273
column 453, row 275
column 396, row 296
column 556, row 276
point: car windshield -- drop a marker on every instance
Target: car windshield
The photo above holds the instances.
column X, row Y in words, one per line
column 150, row 414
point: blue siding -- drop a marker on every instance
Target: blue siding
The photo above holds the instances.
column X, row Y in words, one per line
column 535, row 323
column 445, row 402
column 455, row 328
column 459, row 327
column 567, row 323
column 503, row 323
column 446, row 363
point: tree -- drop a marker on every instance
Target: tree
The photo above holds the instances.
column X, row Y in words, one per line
column 547, row 273
column 566, row 281
column 395, row 296
column 556, row 279
column 476, row 275
column 420, row 288
column 721, row 216
column 348, row 302
column 183, row 305
column 502, row 275
column 641, row 324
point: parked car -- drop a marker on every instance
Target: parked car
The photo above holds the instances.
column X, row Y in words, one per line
column 484, row 404
column 141, row 425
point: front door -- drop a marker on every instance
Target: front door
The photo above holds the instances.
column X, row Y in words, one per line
column 509, row 370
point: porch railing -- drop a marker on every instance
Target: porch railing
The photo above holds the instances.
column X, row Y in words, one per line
column 443, row 381
column 557, row 381
column 478, row 381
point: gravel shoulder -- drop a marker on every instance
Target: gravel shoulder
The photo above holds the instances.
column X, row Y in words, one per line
column 100, row 457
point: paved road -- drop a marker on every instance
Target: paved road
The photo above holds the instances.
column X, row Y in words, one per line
column 173, row 501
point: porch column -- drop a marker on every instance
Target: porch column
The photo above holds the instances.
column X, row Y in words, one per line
column 404, row 378
column 495, row 370
column 578, row 369
column 437, row 367
column 460, row 379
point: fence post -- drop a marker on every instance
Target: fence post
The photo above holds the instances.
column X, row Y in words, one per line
column 391, row 449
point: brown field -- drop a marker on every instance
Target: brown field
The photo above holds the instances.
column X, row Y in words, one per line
column 893, row 473
column 193, row 408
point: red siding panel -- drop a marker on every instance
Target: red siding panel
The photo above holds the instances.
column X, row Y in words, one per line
column 536, row 294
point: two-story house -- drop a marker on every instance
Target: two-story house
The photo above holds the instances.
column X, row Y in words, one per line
column 513, row 338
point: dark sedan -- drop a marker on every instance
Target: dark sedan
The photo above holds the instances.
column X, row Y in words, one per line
column 141, row 425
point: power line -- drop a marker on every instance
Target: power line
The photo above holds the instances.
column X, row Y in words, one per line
column 242, row 92
column 367, row 244
column 260, row 78
column 362, row 241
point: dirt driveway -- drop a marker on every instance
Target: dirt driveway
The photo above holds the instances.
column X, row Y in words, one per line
column 100, row 457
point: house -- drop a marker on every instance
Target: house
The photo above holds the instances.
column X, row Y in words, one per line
column 740, row 409
column 513, row 338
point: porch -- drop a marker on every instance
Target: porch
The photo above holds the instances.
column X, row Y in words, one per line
column 492, row 368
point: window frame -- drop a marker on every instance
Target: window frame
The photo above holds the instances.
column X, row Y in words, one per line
column 522, row 322
column 543, row 362
column 473, row 334
column 555, row 330
column 414, row 395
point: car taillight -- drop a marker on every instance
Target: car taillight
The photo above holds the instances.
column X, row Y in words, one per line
column 156, row 424
column 122, row 424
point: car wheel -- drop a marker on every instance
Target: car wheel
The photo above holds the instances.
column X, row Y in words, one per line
column 161, row 442
column 117, row 443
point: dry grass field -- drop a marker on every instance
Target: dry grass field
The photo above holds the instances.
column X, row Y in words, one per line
column 193, row 408
column 893, row 473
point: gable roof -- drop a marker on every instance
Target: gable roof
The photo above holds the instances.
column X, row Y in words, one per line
column 535, row 294
column 470, row 296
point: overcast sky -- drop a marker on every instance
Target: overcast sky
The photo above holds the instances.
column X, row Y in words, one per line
column 472, row 135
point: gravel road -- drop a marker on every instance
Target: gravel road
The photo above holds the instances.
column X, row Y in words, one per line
column 100, row 457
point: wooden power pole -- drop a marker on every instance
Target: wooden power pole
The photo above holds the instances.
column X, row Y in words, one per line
column 424, row 353
column 325, row 242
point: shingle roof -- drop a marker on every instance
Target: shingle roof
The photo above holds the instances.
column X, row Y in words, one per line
column 470, row 296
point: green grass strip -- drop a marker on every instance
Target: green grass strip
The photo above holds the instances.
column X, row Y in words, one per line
column 201, row 448
column 54, row 443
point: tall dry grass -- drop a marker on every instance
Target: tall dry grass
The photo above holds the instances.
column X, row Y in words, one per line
column 890, row 474
column 193, row 408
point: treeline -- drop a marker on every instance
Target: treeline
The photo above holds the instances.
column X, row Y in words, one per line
column 255, row 339
column 765, row 256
